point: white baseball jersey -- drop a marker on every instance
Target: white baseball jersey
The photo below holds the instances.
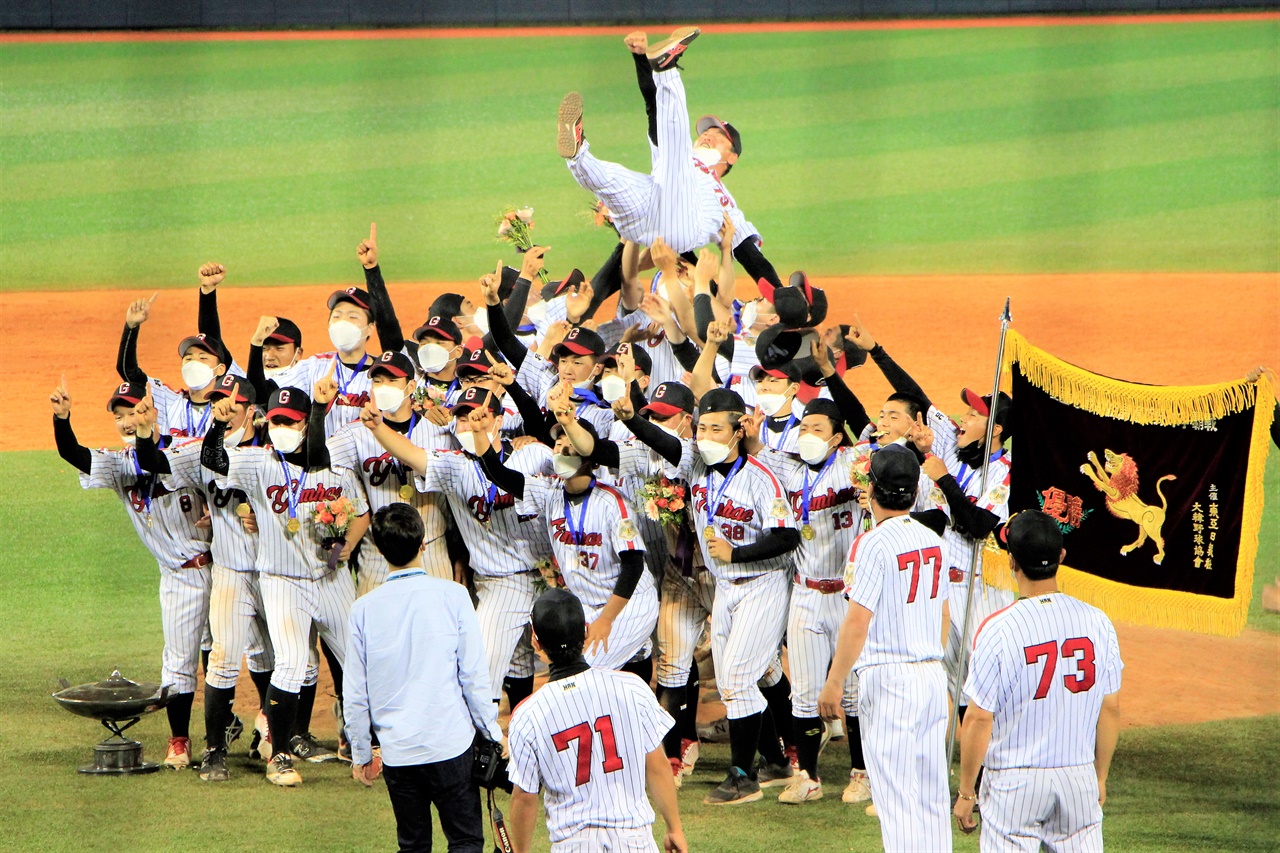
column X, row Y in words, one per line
column 642, row 464
column 824, row 498
column 993, row 496
column 1042, row 667
column 176, row 414
column 864, row 448
column 354, row 385
column 502, row 540
column 280, row 491
column 782, row 434
column 583, row 740
column 895, row 571
column 536, row 375
column 234, row 547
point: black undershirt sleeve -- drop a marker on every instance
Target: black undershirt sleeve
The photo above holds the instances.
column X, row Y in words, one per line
column 535, row 422
column 207, row 320
column 606, row 282
column 257, row 376
column 390, row 335
column 212, row 454
column 127, row 358
column 851, row 408
column 510, row 481
column 649, row 90
column 513, row 308
column 638, row 400
column 934, row 519
column 149, row 456
column 508, row 344
column 605, row 453
column 629, row 576
column 668, row 446
column 71, row 450
column 315, row 448
column 755, row 263
column 967, row 517
column 902, row 383
column 1275, row 426
column 703, row 316
column 687, row 352
column 774, row 543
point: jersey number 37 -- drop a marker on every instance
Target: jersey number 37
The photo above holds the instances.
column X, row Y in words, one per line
column 583, row 735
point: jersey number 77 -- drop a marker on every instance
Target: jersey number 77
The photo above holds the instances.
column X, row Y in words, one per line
column 913, row 561
column 583, row 735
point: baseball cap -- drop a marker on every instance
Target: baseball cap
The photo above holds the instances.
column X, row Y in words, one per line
column 439, row 326
column 895, row 470
column 823, row 406
column 558, row 620
column 670, row 398
column 721, row 400
column 788, row 370
column 227, row 383
column 446, row 305
column 355, row 296
column 395, row 363
column 707, row 122
column 287, row 332
column 475, row 397
column 291, row 403
column 638, row 354
column 1034, row 539
column 854, row 355
column 778, row 345
column 208, row 343
column 507, row 283
column 579, row 341
column 130, row 393
column 553, row 289
column 982, row 405
column 557, row 428
column 475, row 361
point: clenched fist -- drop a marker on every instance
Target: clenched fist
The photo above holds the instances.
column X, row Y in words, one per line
column 211, row 275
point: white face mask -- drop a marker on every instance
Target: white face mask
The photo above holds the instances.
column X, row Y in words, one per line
column 566, row 466
column 812, row 448
column 713, row 452
column 468, row 439
column 129, row 440
column 233, row 439
column 388, row 397
column 197, row 375
column 345, row 335
column 668, row 430
column 537, row 313
column 584, row 385
column 708, row 156
column 273, row 372
column 481, row 321
column 285, row 439
column 770, row 404
column 432, row 357
column 613, row 388
column 748, row 315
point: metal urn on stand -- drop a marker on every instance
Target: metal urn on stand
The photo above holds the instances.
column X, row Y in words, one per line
column 118, row 704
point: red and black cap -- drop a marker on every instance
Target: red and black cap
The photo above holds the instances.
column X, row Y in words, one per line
column 670, row 398
column 579, row 341
column 779, row 345
column 638, row 354
column 287, row 332
column 291, row 403
column 475, row 361
column 396, row 364
column 721, row 400
column 787, row 370
column 208, row 343
column 354, row 295
column 440, row 327
column 982, row 405
column 475, row 397
column 707, row 122
column 127, row 393
column 895, row 470
column 227, row 383
column 555, row 288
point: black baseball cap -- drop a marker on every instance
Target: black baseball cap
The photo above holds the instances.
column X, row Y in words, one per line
column 475, row 361
column 1034, row 539
column 208, row 343
column 291, row 403
column 721, row 400
column 787, row 370
column 227, row 383
column 823, row 406
column 558, row 619
column 895, row 470
column 130, row 393
column 579, row 341
column 354, row 295
column 475, row 397
column 439, row 326
column 446, row 305
column 707, row 122
column 553, row 289
column 395, row 363
column 287, row 332
column 670, row 398
column 982, row 405
column 778, row 345
column 638, row 355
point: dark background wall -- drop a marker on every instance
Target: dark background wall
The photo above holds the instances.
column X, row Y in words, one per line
column 129, row 14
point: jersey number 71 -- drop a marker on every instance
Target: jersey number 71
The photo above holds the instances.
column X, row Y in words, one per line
column 583, row 735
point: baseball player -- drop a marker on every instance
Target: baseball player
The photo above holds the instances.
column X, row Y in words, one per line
column 299, row 591
column 236, row 619
column 165, row 521
column 1044, row 707
column 386, row 480
column 590, row 740
column 276, row 346
column 892, row 636
column 503, row 542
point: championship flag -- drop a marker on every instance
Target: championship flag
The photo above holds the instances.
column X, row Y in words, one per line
column 1158, row 490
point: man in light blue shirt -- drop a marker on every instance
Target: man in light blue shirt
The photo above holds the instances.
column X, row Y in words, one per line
column 417, row 677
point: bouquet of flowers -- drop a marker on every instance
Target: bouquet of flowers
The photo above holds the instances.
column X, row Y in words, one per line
column 426, row 396
column 549, row 575
column 664, row 501
column 515, row 226
column 601, row 216
column 332, row 518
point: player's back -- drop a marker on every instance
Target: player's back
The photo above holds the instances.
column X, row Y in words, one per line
column 1042, row 666
column 589, row 734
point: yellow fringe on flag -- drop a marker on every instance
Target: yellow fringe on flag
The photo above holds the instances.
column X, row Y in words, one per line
column 1146, row 404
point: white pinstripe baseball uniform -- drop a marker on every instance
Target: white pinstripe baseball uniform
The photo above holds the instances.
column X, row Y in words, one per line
column 582, row 740
column 165, row 522
column 588, row 536
column 1042, row 667
column 298, row 591
column 176, row 414
column 504, row 545
column 895, row 571
column 386, row 481
column 354, row 385
column 681, row 201
column 866, row 447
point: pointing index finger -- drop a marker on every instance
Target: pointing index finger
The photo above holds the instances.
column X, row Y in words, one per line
column 373, row 232
column 153, row 298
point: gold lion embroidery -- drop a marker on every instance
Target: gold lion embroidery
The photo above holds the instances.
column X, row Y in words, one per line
column 1117, row 479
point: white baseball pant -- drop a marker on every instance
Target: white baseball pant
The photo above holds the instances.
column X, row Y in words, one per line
column 184, row 621
column 239, row 627
column 503, row 605
column 682, row 616
column 293, row 606
column 1026, row 807
column 600, row 840
column 813, row 626
column 631, row 631
column 747, row 624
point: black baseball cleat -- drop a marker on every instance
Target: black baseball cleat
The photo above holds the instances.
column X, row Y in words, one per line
column 213, row 766
column 306, row 747
column 664, row 54
column 736, row 788
column 769, row 775
column 569, row 135
column 234, row 730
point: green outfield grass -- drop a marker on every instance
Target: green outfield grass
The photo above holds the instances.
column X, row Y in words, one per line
column 1145, row 148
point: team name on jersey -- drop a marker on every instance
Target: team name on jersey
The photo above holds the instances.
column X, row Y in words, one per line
column 825, row 500
column 560, row 531
column 352, row 399
column 137, row 496
column 728, row 510
column 279, row 495
column 482, row 510
column 379, row 468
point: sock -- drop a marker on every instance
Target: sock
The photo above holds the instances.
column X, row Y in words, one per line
column 306, row 704
column 808, row 741
column 204, row 661
column 779, row 698
column 179, row 711
column 960, row 713
column 744, row 734
column 217, row 715
column 853, row 734
column 282, row 712
column 335, row 668
column 688, row 722
column 641, row 668
column 770, row 744
column 261, row 680
column 517, row 689
column 672, row 700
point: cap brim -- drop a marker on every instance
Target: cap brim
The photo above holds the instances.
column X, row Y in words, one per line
column 758, row 373
column 662, row 410
column 120, row 398
column 279, row 339
column 282, row 412
column 387, row 368
column 569, row 348
column 218, row 394
column 975, row 402
column 438, row 334
column 466, row 369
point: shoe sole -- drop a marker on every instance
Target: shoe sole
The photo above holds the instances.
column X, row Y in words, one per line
column 667, row 51
column 799, row 802
column 322, row 759
column 176, row 766
column 219, row 777
column 283, row 783
column 569, row 117
column 749, row 798
column 774, row 783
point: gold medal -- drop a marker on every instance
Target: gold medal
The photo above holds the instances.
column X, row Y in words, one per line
column 406, row 492
column 148, row 518
column 808, row 532
column 709, row 532
column 293, row 526
column 243, row 510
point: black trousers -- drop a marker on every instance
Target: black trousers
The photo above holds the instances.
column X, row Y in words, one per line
column 445, row 784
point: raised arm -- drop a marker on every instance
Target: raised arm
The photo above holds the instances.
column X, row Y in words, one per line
column 705, row 313
column 898, row 378
column 393, row 442
column 499, row 328
column 207, row 320
column 704, row 377
column 851, row 408
column 758, row 267
column 127, row 357
column 390, row 335
column 535, row 422
column 664, row 257
column 69, row 448
column 668, row 446
column 213, row 455
column 262, row 386
column 726, row 280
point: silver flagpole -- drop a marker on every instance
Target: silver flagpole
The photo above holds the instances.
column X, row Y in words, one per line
column 1005, row 319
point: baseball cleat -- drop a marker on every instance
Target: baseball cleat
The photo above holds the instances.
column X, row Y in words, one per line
column 677, row 771
column 772, row 775
column 213, row 766
column 260, row 746
column 280, row 771
column 688, row 755
column 234, row 730
column 802, row 789
column 569, row 135
column 871, row 811
column 306, row 747
column 793, row 758
column 179, row 755
column 736, row 788
column 858, row 790
column 664, row 54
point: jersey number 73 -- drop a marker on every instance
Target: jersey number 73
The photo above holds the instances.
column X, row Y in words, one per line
column 583, row 735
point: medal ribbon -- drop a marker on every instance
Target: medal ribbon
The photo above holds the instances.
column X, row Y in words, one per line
column 712, row 508
column 194, row 428
column 972, row 472
column 292, row 492
column 343, row 383
column 149, row 480
column 401, row 472
column 582, row 513
column 807, row 492
column 791, row 422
